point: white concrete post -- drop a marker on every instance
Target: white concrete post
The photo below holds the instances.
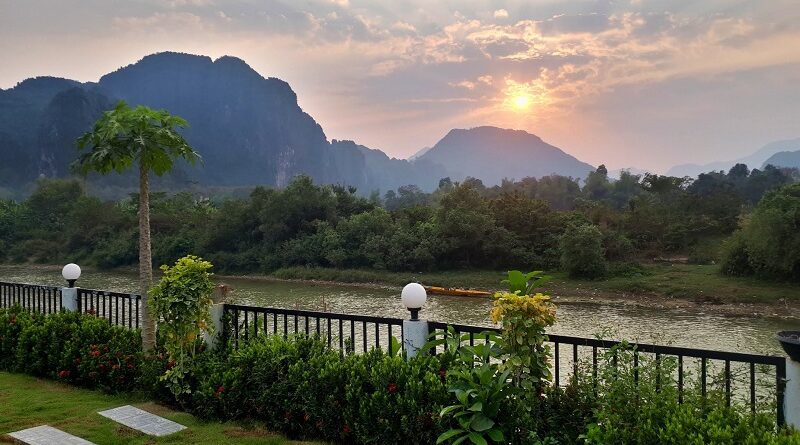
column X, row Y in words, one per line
column 415, row 335
column 69, row 298
column 791, row 400
column 216, row 311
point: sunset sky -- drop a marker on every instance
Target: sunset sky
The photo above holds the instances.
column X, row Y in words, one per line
column 636, row 83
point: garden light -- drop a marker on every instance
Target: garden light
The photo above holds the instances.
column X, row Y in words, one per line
column 414, row 297
column 71, row 272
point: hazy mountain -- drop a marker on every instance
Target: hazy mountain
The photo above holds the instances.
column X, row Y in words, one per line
column 491, row 154
column 790, row 159
column 754, row 160
column 249, row 130
column 370, row 169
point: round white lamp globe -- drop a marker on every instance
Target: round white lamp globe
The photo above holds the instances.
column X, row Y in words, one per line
column 71, row 272
column 413, row 297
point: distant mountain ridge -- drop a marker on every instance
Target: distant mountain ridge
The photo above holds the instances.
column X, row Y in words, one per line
column 754, row 160
column 492, row 154
column 784, row 159
column 249, row 130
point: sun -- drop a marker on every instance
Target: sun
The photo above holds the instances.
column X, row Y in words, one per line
column 521, row 102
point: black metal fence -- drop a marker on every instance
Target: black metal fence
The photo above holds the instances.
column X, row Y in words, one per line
column 32, row 297
column 348, row 333
column 744, row 375
column 118, row 308
column 748, row 377
column 751, row 378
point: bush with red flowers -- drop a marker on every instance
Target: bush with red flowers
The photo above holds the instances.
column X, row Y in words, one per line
column 80, row 349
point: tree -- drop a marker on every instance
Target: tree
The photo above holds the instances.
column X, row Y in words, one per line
column 582, row 251
column 121, row 138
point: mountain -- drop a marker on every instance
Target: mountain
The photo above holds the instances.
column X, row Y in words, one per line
column 370, row 169
column 790, row 159
column 249, row 130
column 753, row 161
column 492, row 154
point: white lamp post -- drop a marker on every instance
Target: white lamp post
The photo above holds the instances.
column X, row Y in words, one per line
column 71, row 272
column 414, row 297
column 415, row 331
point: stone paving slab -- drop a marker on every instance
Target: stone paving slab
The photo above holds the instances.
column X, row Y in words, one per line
column 47, row 435
column 143, row 421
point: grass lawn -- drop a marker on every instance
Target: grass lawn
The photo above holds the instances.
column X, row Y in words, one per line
column 703, row 282
column 27, row 402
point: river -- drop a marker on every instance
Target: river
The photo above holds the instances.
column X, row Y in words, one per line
column 681, row 327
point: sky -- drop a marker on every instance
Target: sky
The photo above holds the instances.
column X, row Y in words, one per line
column 633, row 83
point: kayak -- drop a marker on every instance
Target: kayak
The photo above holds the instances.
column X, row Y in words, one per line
column 456, row 292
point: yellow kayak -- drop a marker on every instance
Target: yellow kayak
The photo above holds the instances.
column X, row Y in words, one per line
column 456, row 292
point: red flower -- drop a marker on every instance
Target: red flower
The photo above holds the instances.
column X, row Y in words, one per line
column 115, row 366
column 392, row 388
column 63, row 374
column 95, row 353
column 77, row 360
column 171, row 364
column 346, row 429
column 130, row 366
column 101, row 366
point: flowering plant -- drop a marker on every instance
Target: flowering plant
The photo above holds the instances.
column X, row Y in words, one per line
column 523, row 319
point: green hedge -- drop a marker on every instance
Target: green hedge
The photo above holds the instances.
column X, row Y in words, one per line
column 78, row 349
column 298, row 387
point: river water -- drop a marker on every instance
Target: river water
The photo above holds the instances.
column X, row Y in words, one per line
column 680, row 327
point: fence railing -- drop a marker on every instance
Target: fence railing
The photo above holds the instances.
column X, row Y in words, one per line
column 32, row 297
column 118, row 308
column 748, row 377
column 348, row 333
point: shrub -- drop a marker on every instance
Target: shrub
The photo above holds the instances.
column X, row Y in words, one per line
column 768, row 238
column 70, row 347
column 300, row 387
column 181, row 300
column 582, row 252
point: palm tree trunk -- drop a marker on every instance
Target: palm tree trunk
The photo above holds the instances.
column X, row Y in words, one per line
column 145, row 259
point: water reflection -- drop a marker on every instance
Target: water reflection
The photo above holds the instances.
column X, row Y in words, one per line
column 676, row 326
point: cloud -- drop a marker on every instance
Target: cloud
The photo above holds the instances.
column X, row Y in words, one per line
column 456, row 62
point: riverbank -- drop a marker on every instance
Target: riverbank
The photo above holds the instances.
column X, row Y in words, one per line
column 677, row 286
column 692, row 288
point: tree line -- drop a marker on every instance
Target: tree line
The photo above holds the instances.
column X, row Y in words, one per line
column 590, row 229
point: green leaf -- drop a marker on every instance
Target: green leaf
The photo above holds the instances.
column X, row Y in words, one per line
column 448, row 434
column 481, row 423
column 495, row 434
column 477, row 439
column 478, row 406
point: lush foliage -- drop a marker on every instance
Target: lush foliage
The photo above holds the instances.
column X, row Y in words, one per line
column 181, row 301
column 83, row 350
column 460, row 225
column 523, row 319
column 300, row 387
column 525, row 283
column 767, row 244
column 582, row 252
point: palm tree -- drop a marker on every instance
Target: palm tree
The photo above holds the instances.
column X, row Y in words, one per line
column 121, row 138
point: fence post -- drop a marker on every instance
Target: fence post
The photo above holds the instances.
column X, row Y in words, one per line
column 415, row 335
column 69, row 299
column 216, row 311
column 790, row 341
